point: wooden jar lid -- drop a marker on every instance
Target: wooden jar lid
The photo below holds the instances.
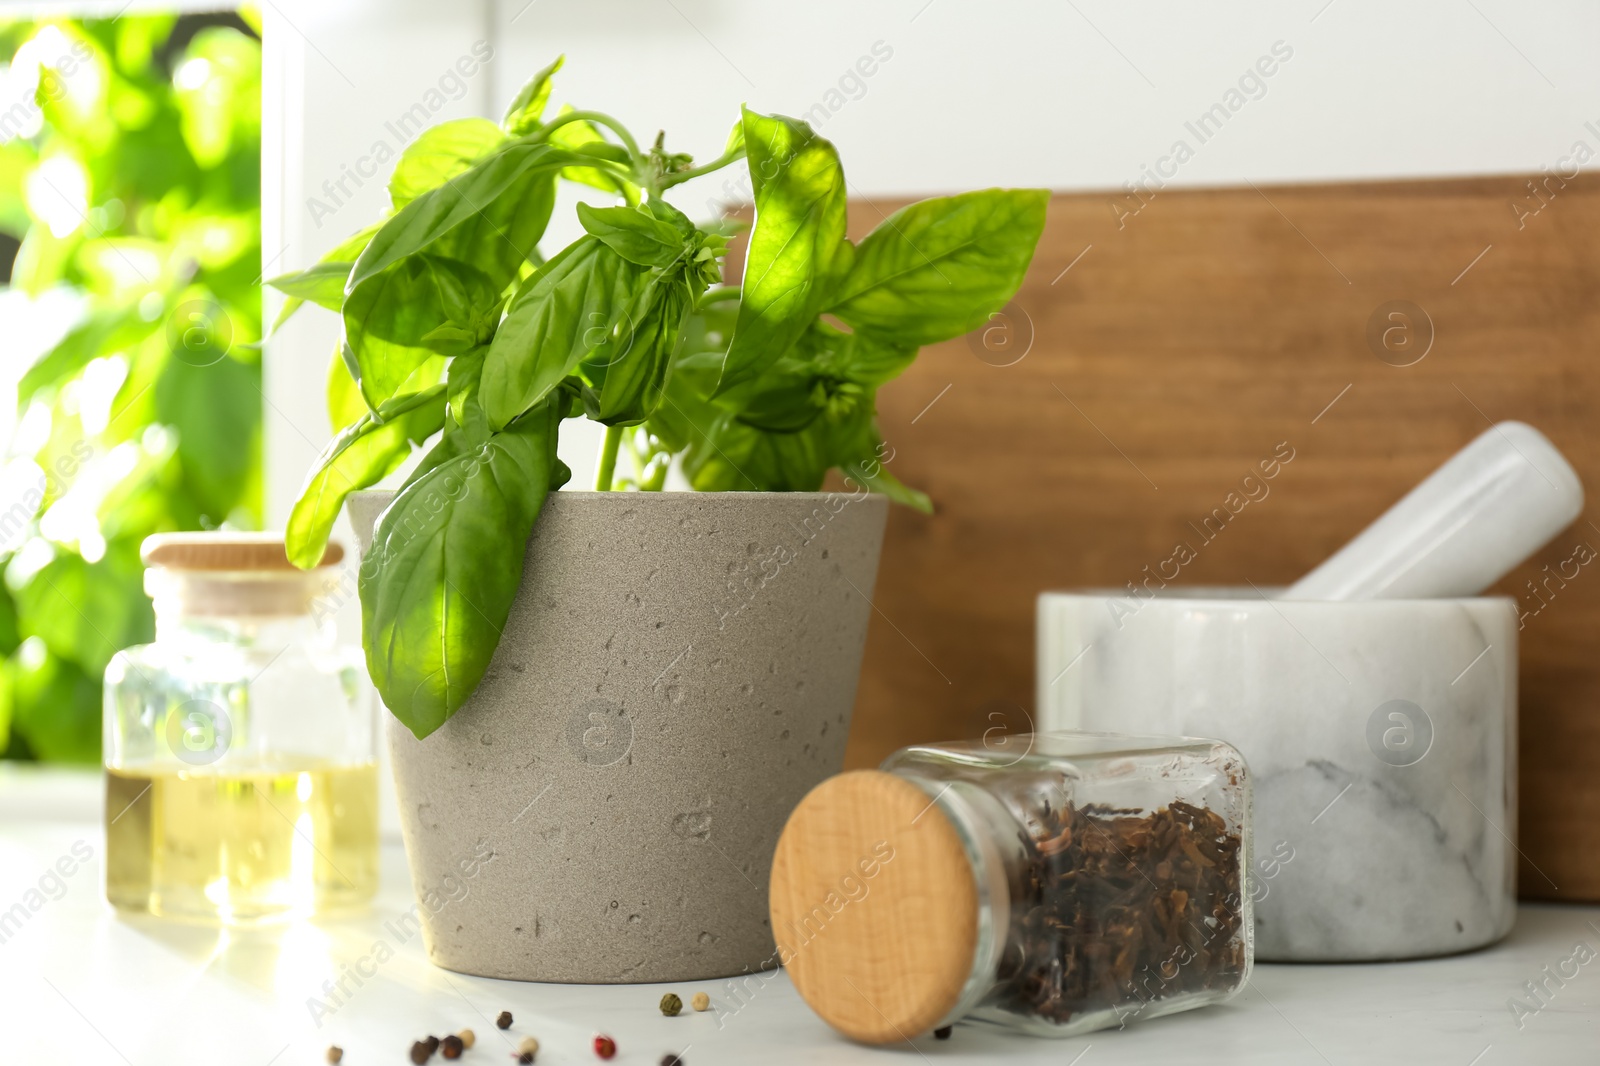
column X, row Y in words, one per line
column 874, row 906
column 229, row 551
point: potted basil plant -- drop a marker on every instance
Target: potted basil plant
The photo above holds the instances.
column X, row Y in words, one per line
column 606, row 704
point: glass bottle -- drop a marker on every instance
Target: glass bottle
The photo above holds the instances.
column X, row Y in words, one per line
column 1050, row 883
column 240, row 747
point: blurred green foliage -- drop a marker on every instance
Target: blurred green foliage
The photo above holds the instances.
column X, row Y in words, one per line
column 130, row 162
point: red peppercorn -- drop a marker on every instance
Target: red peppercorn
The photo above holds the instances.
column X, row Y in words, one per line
column 605, row 1047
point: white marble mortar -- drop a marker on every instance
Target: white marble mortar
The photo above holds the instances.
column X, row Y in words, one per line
column 1380, row 735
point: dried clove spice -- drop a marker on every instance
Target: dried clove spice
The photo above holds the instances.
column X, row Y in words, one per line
column 1120, row 909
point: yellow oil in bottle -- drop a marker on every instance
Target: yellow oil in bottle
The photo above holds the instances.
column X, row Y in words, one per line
column 242, row 846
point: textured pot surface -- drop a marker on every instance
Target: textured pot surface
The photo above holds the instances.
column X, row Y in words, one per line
column 678, row 670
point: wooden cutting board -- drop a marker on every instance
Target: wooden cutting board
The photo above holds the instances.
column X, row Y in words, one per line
column 1159, row 350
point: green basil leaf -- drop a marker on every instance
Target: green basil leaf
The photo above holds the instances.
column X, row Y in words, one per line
column 785, row 409
column 665, row 212
column 583, row 139
column 627, row 389
column 389, row 318
column 570, row 309
column 345, row 403
column 795, row 247
column 359, row 457
column 503, row 238
column 684, row 405
column 527, row 107
column 873, row 361
column 633, row 233
column 350, row 249
column 466, row 371
column 728, row 456
column 453, row 340
column 321, row 284
column 346, row 406
column 939, row 268
column 345, row 253
column 440, row 153
column 858, row 452
column 444, row 566
column 876, row 478
column 437, row 212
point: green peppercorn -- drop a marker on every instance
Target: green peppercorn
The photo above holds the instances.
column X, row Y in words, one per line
column 671, row 1004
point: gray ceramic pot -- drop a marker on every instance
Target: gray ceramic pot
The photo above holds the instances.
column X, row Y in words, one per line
column 677, row 672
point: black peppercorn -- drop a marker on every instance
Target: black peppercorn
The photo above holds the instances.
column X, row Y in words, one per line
column 942, row 1033
column 504, row 1020
column 671, row 1060
column 420, row 1052
column 451, row 1047
column 525, row 1058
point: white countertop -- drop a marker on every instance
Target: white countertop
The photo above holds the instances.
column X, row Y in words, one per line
column 79, row 984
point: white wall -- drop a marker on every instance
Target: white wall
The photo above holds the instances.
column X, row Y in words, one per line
column 1071, row 94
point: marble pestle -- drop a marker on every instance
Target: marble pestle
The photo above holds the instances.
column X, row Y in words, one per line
column 1489, row 507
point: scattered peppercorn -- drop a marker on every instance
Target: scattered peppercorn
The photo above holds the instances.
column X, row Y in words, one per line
column 451, row 1047
column 605, row 1047
column 335, row 1054
column 468, row 1037
column 671, row 1005
column 529, row 1046
column 671, row 1060
column 421, row 1052
column 525, row 1058
column 942, row 1033
column 701, row 1001
column 433, row 1044
column 504, row 1020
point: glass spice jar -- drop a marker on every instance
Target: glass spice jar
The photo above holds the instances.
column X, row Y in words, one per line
column 1051, row 883
column 240, row 747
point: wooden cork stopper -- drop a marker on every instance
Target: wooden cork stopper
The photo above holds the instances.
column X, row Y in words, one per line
column 874, row 906
column 232, row 551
